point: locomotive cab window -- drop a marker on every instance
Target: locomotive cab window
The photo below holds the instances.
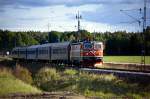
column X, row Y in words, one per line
column 97, row 46
column 87, row 46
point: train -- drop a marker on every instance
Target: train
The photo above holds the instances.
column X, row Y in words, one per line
column 86, row 53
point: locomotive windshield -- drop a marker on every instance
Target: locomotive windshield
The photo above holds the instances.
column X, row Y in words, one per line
column 87, row 45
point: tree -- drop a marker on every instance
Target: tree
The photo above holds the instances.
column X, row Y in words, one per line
column 135, row 44
column 116, row 43
column 54, row 36
column 85, row 34
column 147, row 40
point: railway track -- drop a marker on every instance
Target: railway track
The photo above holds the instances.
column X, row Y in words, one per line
column 94, row 70
column 120, row 73
column 127, row 66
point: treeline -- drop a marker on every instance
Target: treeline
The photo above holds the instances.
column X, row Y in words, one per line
column 9, row 39
column 116, row 43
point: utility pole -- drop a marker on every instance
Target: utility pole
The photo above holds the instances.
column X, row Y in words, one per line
column 143, row 35
column 48, row 26
column 94, row 35
column 144, row 16
column 143, row 32
column 78, row 17
column 49, row 35
column 15, row 42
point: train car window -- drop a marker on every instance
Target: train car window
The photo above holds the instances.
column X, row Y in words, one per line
column 31, row 52
column 15, row 52
column 55, row 51
column 40, row 51
column 22, row 52
column 63, row 51
column 43, row 51
column 59, row 51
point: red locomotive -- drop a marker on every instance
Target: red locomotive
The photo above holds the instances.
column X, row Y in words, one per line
column 88, row 53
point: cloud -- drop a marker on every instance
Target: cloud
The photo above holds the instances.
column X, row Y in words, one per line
column 113, row 15
column 33, row 19
column 21, row 7
column 99, row 15
column 38, row 3
column 27, row 4
column 103, row 27
column 2, row 10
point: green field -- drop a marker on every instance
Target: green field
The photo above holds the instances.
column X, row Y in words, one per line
column 10, row 84
column 126, row 59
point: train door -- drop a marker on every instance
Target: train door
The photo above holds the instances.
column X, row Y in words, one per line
column 49, row 53
column 75, row 53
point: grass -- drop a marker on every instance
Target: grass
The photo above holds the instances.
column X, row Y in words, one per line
column 9, row 84
column 70, row 72
column 126, row 59
column 100, row 85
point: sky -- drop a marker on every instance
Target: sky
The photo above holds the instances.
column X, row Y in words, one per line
column 60, row 15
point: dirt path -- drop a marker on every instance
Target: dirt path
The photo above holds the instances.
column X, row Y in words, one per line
column 45, row 95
